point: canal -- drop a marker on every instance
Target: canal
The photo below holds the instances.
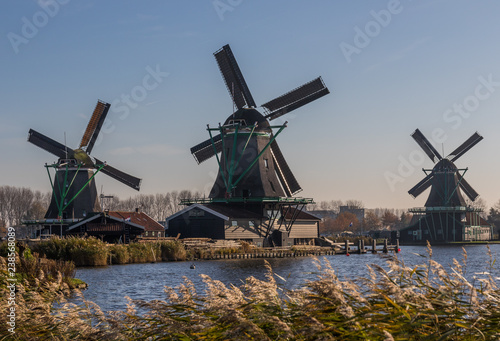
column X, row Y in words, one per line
column 109, row 285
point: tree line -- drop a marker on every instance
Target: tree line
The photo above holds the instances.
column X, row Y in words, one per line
column 21, row 203
column 158, row 206
column 384, row 218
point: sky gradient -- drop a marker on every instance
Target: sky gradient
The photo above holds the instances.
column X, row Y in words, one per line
column 391, row 67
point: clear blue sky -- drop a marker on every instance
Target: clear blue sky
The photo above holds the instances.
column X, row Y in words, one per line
column 391, row 66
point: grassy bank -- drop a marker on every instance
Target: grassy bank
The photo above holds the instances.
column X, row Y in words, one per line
column 94, row 252
column 421, row 303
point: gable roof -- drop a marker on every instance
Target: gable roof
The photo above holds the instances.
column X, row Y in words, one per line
column 97, row 215
column 198, row 206
column 138, row 218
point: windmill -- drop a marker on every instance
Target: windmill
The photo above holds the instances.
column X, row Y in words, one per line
column 74, row 192
column 445, row 179
column 251, row 163
column 446, row 216
column 254, row 183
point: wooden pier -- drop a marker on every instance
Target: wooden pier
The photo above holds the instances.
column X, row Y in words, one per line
column 344, row 248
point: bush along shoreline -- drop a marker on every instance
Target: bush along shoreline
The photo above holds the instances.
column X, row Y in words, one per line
column 396, row 302
column 94, row 252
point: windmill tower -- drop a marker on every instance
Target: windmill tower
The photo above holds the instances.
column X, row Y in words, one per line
column 253, row 173
column 74, row 192
column 445, row 215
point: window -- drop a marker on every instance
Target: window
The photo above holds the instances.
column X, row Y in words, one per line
column 234, row 223
column 237, row 121
column 266, row 164
column 272, row 186
column 153, row 233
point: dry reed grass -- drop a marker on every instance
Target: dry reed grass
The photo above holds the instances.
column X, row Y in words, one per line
column 425, row 302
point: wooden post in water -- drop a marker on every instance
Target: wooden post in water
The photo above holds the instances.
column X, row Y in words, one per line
column 359, row 247
column 346, row 246
column 363, row 245
column 374, row 245
column 397, row 245
column 385, row 246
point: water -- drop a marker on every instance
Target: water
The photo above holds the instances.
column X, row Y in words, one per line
column 109, row 285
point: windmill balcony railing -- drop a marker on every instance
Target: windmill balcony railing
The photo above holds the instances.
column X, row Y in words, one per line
column 444, row 209
column 247, row 199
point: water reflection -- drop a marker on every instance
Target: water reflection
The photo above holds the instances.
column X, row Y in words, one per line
column 108, row 286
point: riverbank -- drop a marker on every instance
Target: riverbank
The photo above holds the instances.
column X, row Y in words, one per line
column 94, row 252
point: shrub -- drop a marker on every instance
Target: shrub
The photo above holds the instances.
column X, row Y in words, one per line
column 173, row 250
column 82, row 251
column 119, row 254
column 144, row 252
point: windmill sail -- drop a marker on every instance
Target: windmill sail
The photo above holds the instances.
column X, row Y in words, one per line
column 47, row 144
column 94, row 126
column 421, row 186
column 233, row 78
column 464, row 147
column 123, row 177
column 428, row 148
column 296, row 98
column 468, row 190
column 204, row 151
column 287, row 179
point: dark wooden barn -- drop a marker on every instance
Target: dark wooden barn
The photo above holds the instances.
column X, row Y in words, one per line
column 222, row 221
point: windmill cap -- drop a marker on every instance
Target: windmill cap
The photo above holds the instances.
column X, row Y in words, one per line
column 246, row 117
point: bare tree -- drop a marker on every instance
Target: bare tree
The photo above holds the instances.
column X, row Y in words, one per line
column 354, row 204
column 18, row 204
column 372, row 221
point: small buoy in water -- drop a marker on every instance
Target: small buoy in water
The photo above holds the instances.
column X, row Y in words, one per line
column 399, row 250
column 192, row 266
column 347, row 254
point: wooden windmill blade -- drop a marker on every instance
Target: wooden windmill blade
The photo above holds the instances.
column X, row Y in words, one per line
column 468, row 190
column 421, row 186
column 123, row 177
column 464, row 147
column 427, row 147
column 48, row 144
column 204, row 150
column 287, row 179
column 94, row 126
column 296, row 98
column 233, row 78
